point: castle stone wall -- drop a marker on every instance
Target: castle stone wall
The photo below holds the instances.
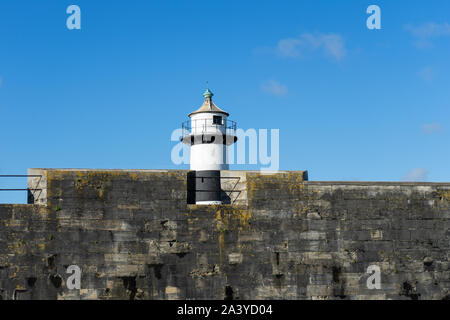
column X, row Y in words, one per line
column 134, row 237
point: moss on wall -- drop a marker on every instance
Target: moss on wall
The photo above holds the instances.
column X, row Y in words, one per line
column 134, row 237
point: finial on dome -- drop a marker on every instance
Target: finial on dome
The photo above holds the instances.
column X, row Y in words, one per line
column 208, row 94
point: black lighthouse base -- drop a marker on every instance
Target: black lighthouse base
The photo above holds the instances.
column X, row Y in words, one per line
column 204, row 187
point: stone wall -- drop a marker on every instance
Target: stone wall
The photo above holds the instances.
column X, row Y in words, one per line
column 134, row 237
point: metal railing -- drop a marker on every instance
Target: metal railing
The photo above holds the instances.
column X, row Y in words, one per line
column 21, row 176
column 202, row 125
column 33, row 193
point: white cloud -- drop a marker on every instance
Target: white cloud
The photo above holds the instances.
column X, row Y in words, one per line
column 332, row 44
column 427, row 31
column 274, row 87
column 289, row 47
column 432, row 128
column 427, row 73
column 417, row 174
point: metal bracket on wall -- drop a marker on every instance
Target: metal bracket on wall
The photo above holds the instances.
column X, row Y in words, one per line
column 234, row 187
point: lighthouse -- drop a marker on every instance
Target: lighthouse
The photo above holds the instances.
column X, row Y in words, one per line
column 209, row 133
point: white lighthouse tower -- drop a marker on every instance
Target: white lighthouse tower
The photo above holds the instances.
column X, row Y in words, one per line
column 208, row 132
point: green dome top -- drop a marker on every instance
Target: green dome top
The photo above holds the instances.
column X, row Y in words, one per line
column 208, row 94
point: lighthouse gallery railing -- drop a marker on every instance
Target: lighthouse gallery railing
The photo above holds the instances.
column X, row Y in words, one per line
column 204, row 126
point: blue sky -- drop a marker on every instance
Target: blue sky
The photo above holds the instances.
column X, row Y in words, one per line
column 351, row 103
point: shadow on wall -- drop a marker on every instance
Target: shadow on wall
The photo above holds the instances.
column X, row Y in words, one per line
column 225, row 197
